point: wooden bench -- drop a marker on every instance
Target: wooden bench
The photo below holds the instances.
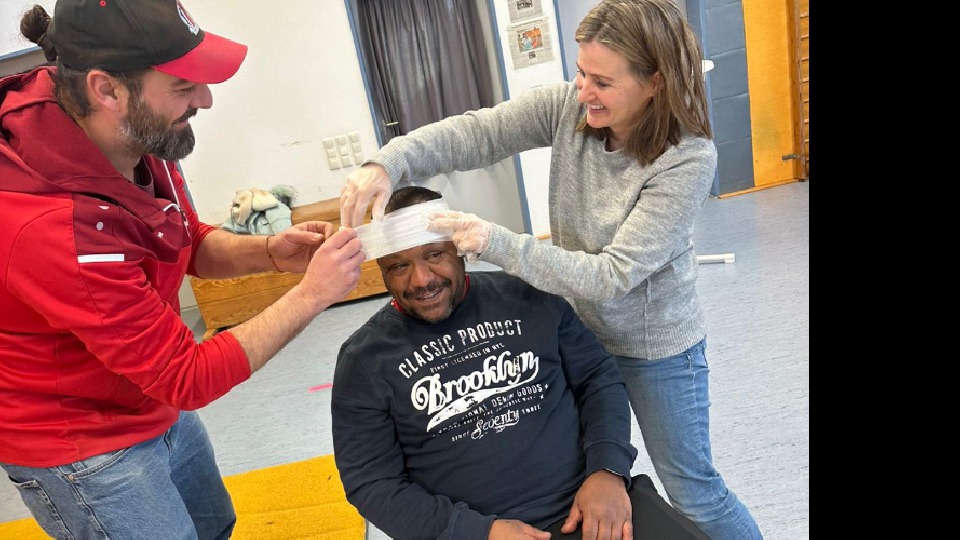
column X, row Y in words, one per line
column 228, row 302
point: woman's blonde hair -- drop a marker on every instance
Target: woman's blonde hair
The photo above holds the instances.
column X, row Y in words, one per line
column 653, row 36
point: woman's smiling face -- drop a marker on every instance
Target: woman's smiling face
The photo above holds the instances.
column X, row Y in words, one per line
column 613, row 95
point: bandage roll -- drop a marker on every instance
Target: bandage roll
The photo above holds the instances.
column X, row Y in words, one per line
column 401, row 229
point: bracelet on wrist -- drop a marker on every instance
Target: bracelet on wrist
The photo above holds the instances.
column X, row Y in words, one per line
column 269, row 256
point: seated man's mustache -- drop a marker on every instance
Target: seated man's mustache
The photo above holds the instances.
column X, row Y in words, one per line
column 431, row 287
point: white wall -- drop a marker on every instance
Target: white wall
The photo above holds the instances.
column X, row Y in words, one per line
column 534, row 164
column 11, row 42
column 299, row 84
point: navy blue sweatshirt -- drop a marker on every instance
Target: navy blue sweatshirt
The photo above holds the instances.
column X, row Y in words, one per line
column 499, row 411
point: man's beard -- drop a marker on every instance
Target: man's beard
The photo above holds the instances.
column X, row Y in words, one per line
column 149, row 133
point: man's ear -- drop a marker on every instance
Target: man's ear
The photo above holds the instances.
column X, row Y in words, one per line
column 106, row 92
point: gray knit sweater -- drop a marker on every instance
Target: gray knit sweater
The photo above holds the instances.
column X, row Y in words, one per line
column 622, row 250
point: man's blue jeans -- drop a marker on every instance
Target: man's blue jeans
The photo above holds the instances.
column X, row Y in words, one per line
column 671, row 400
column 167, row 487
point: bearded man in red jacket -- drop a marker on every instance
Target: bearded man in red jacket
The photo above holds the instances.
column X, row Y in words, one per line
column 99, row 376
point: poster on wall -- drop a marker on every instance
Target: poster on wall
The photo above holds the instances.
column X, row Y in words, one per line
column 530, row 43
column 524, row 9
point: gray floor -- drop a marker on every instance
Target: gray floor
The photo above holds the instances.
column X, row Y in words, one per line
column 758, row 348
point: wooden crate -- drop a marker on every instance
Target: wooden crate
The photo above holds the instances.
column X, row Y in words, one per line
column 227, row 302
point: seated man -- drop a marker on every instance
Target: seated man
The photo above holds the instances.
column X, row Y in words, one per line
column 476, row 406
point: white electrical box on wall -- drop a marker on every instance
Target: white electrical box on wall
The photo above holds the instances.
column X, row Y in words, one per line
column 330, row 152
column 355, row 149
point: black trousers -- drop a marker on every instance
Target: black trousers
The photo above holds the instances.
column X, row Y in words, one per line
column 653, row 517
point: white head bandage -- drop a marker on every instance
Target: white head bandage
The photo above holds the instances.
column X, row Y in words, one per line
column 401, row 229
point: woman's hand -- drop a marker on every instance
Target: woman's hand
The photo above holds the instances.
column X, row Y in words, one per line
column 470, row 234
column 368, row 183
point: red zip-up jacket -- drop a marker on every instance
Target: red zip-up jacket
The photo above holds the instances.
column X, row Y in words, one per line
column 94, row 356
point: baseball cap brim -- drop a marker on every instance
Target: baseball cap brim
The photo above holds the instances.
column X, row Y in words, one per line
column 214, row 60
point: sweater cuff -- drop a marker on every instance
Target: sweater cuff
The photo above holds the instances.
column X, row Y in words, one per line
column 393, row 162
column 611, row 457
column 501, row 249
column 472, row 524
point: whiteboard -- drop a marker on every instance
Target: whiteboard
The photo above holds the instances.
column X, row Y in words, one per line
column 11, row 42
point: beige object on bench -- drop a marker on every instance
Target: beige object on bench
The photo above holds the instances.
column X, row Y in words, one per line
column 228, row 302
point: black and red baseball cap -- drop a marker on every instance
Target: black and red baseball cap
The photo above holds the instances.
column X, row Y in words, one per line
column 129, row 35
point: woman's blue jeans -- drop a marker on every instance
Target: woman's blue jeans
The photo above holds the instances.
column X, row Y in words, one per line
column 166, row 487
column 670, row 398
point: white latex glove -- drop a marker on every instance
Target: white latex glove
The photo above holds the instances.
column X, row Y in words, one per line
column 368, row 183
column 470, row 234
